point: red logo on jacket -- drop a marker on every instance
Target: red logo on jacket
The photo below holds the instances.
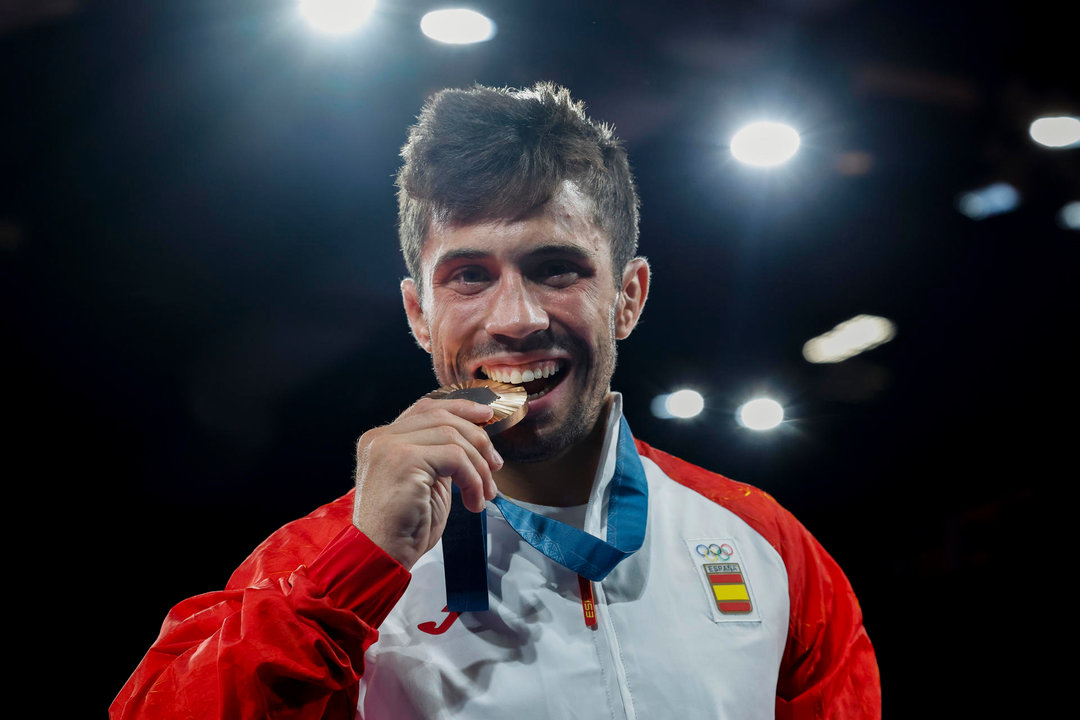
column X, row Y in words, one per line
column 432, row 629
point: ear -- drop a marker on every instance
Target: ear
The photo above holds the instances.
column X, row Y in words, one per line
column 410, row 297
column 635, row 288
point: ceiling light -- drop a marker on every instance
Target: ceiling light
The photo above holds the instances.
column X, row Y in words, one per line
column 337, row 17
column 849, row 338
column 765, row 144
column 685, row 403
column 457, row 26
column 1060, row 131
column 679, row 404
column 760, row 414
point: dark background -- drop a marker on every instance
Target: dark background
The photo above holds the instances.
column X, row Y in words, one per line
column 199, row 270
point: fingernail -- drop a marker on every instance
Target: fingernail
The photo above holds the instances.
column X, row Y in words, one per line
column 498, row 457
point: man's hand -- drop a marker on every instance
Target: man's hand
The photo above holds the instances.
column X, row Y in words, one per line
column 404, row 471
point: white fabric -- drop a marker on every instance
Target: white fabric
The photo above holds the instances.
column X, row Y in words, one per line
column 660, row 648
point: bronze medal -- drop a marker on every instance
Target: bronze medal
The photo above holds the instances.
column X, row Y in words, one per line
column 508, row 401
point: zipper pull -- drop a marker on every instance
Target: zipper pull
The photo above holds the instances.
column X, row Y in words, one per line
column 588, row 607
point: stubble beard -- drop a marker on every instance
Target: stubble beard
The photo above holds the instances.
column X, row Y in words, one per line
column 528, row 443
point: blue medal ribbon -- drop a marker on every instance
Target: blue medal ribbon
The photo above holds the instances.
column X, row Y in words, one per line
column 464, row 546
column 574, row 549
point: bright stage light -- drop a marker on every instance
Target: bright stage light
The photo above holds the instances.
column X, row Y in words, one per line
column 765, row 144
column 337, row 17
column 684, row 403
column 849, row 338
column 457, row 26
column 679, row 404
column 988, row 201
column 1069, row 216
column 760, row 414
column 1061, row 131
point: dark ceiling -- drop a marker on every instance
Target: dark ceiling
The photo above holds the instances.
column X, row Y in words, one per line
column 199, row 273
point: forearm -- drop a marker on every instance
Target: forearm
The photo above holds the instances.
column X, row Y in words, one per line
column 290, row 647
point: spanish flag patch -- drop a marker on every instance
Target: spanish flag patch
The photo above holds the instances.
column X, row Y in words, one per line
column 728, row 587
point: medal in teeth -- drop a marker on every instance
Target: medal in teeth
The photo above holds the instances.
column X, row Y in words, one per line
column 516, row 375
column 508, row 401
column 522, row 375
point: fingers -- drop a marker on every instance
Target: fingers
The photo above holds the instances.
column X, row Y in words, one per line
column 464, row 416
column 432, row 423
column 404, row 471
column 474, row 412
column 451, row 451
column 452, row 461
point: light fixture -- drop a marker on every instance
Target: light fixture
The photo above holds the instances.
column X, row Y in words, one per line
column 760, row 414
column 685, row 403
column 765, row 144
column 849, row 338
column 682, row 404
column 457, row 26
column 1058, row 131
column 337, row 17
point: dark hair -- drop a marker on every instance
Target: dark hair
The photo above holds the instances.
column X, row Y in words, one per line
column 500, row 153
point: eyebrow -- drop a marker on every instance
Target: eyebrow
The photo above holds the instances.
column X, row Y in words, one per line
column 542, row 251
column 564, row 249
column 460, row 254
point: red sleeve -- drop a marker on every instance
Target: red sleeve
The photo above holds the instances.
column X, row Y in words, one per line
column 829, row 669
column 275, row 643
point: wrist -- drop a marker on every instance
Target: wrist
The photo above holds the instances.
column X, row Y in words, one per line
column 360, row 576
column 401, row 550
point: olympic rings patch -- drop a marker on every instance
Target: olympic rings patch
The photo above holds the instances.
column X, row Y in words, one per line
column 715, row 552
column 725, row 575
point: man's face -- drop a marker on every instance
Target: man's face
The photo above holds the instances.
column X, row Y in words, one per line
column 532, row 298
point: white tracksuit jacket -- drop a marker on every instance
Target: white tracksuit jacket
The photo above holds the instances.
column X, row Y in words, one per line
column 661, row 647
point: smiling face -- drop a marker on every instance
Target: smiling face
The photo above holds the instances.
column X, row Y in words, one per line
column 532, row 302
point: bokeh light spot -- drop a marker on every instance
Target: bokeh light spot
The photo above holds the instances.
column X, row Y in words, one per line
column 760, row 414
column 457, row 26
column 1060, row 131
column 765, row 144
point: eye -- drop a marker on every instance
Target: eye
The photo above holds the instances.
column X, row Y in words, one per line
column 469, row 279
column 558, row 273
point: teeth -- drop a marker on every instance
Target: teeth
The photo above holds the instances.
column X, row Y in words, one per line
column 517, row 375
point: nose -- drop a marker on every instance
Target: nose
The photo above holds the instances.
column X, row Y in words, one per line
column 515, row 312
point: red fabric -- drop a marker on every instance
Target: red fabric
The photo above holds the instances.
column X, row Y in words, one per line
column 829, row 669
column 285, row 639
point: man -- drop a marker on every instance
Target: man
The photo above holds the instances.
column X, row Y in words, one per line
column 518, row 222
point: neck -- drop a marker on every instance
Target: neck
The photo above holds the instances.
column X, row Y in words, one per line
column 562, row 481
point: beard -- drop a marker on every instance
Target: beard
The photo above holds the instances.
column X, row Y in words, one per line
column 538, row 438
column 524, row 444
